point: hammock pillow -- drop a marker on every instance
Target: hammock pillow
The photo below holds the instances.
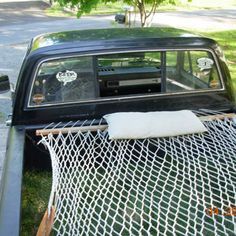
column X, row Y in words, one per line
column 140, row 125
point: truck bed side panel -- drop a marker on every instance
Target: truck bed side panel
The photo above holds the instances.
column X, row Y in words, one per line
column 11, row 184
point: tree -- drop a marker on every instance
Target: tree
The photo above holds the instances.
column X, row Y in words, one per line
column 146, row 8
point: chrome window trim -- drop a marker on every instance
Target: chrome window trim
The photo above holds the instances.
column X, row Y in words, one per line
column 118, row 98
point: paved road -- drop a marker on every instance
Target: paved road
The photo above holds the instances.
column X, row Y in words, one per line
column 20, row 20
column 20, row 12
column 211, row 20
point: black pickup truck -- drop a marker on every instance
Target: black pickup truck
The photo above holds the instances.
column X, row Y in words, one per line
column 78, row 75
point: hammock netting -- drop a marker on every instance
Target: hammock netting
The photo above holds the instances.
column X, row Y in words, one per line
column 184, row 185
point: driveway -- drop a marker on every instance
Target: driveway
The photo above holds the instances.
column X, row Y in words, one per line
column 211, row 20
column 20, row 12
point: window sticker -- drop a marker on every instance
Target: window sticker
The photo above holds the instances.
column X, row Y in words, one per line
column 205, row 63
column 66, row 76
column 38, row 98
column 214, row 84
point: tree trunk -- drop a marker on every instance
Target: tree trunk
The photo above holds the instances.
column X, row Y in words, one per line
column 143, row 19
column 142, row 12
column 144, row 15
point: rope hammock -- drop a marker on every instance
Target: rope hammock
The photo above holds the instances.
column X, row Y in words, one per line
column 183, row 185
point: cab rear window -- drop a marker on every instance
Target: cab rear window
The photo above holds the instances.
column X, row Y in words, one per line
column 88, row 78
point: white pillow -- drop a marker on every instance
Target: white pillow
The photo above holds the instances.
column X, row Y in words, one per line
column 138, row 125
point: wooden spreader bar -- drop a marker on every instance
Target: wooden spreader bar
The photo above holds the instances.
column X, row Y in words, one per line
column 45, row 132
column 71, row 129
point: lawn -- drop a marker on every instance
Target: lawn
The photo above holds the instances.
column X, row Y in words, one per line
column 226, row 39
column 35, row 194
column 101, row 9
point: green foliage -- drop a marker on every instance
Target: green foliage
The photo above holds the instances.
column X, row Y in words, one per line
column 35, row 194
column 86, row 6
column 226, row 39
column 146, row 8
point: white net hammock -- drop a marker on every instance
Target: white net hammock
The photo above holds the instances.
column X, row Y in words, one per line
column 183, row 185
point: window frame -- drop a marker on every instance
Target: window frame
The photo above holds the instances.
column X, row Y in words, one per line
column 124, row 97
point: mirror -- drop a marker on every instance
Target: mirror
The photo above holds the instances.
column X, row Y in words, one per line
column 4, row 83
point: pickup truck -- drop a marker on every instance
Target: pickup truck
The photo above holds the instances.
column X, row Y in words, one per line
column 79, row 75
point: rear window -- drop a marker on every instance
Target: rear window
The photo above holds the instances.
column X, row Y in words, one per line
column 129, row 73
column 87, row 78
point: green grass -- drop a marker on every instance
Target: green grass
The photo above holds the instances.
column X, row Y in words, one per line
column 101, row 9
column 35, row 195
column 226, row 39
column 108, row 8
column 58, row 11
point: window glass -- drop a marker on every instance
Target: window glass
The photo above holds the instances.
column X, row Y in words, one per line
column 120, row 75
column 194, row 70
column 129, row 73
column 64, row 80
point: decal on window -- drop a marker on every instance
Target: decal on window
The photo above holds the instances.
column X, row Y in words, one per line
column 205, row 63
column 66, row 76
column 38, row 98
column 214, row 83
